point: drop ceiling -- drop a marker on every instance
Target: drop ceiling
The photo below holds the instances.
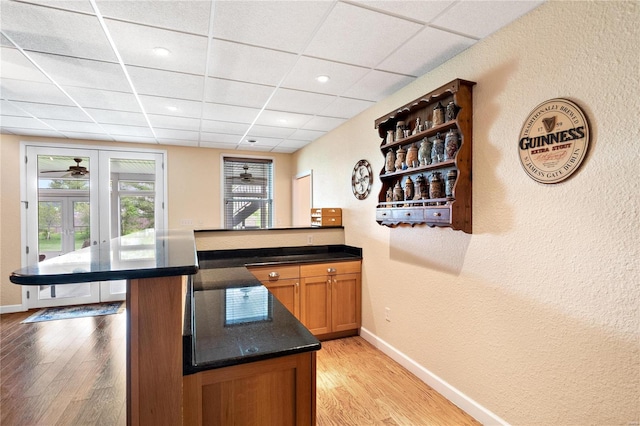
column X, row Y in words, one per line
column 233, row 71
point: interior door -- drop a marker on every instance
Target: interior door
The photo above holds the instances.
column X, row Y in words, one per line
column 62, row 205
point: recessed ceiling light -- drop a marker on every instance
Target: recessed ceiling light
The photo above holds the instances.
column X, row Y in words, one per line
column 252, row 140
column 323, row 78
column 172, row 108
column 282, row 121
column 161, row 51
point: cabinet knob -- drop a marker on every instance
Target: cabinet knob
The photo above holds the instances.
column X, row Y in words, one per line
column 408, row 214
column 274, row 275
column 436, row 214
column 384, row 214
column 331, row 270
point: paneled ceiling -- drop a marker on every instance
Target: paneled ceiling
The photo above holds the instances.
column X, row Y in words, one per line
column 221, row 73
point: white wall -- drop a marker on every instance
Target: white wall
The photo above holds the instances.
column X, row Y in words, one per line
column 536, row 316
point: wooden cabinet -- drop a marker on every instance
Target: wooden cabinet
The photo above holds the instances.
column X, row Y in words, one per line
column 331, row 298
column 406, row 128
column 325, row 297
column 283, row 282
column 278, row 391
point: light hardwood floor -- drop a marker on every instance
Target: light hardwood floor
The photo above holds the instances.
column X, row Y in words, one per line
column 72, row 372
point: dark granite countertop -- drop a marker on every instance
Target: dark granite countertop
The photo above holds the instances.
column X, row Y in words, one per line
column 277, row 255
column 236, row 320
column 145, row 254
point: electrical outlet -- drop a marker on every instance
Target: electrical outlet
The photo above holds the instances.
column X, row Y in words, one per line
column 186, row 222
column 310, row 239
column 387, row 314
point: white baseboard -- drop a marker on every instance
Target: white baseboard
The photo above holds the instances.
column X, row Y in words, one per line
column 10, row 309
column 467, row 404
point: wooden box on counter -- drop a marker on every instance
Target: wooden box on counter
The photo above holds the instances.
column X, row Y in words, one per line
column 328, row 216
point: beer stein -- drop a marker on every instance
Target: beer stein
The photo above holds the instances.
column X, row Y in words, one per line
column 452, row 111
column 390, row 162
column 438, row 115
column 400, row 157
column 451, row 181
column 412, row 156
column 437, row 151
column 424, row 153
column 451, row 145
column 436, row 187
column 409, row 189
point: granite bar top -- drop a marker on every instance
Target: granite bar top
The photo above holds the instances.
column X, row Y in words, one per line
column 236, row 320
column 277, row 255
column 144, row 254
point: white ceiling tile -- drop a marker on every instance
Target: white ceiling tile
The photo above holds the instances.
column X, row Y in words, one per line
column 184, row 135
column 365, row 37
column 481, row 18
column 324, row 124
column 272, row 132
column 15, row 65
column 88, row 136
column 284, row 149
column 298, row 101
column 304, row 73
column 65, row 126
column 269, row 23
column 103, row 99
column 306, row 135
column 283, row 119
column 254, row 147
column 224, row 127
column 133, row 139
column 29, row 91
column 235, row 61
column 232, row 92
column 346, row 108
column 73, row 5
column 82, row 72
column 31, row 132
column 218, row 145
column 293, row 143
column 106, row 116
column 119, row 130
column 44, row 29
column 234, row 114
column 58, row 112
column 260, row 141
column 187, row 16
column 179, row 142
column 5, row 42
column 377, row 85
column 12, row 108
column 166, row 83
column 188, row 53
column 23, row 122
column 171, row 106
column 177, row 123
column 435, row 47
column 219, row 138
column 424, row 11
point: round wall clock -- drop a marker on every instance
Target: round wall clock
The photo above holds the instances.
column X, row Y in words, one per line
column 361, row 179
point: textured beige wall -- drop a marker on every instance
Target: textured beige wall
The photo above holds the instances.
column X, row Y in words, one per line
column 193, row 176
column 536, row 316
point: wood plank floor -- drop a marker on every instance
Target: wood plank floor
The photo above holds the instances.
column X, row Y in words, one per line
column 72, row 372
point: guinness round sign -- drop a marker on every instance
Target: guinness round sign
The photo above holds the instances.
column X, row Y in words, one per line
column 553, row 141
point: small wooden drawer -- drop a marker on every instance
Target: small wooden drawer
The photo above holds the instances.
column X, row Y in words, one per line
column 383, row 214
column 408, row 214
column 332, row 268
column 438, row 214
column 327, row 211
column 330, row 216
column 276, row 272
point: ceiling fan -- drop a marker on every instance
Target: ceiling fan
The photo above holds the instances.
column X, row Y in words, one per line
column 73, row 171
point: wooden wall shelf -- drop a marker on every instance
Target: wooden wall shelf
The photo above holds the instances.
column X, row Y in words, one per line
column 452, row 209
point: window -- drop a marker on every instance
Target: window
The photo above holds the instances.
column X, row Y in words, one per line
column 248, row 193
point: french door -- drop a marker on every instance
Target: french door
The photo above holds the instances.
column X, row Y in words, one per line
column 79, row 197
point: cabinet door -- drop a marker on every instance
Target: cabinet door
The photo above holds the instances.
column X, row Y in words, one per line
column 345, row 302
column 316, row 304
column 287, row 292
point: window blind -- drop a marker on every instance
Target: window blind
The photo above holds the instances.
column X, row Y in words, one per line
column 248, row 192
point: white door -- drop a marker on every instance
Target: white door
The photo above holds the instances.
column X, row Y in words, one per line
column 135, row 204
column 61, row 208
column 117, row 193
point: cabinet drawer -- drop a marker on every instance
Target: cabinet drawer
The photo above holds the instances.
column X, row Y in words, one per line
column 438, row 214
column 383, row 214
column 326, row 221
column 327, row 211
column 408, row 214
column 320, row 269
column 276, row 272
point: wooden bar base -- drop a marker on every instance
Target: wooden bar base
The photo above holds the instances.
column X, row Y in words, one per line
column 279, row 391
column 154, row 351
